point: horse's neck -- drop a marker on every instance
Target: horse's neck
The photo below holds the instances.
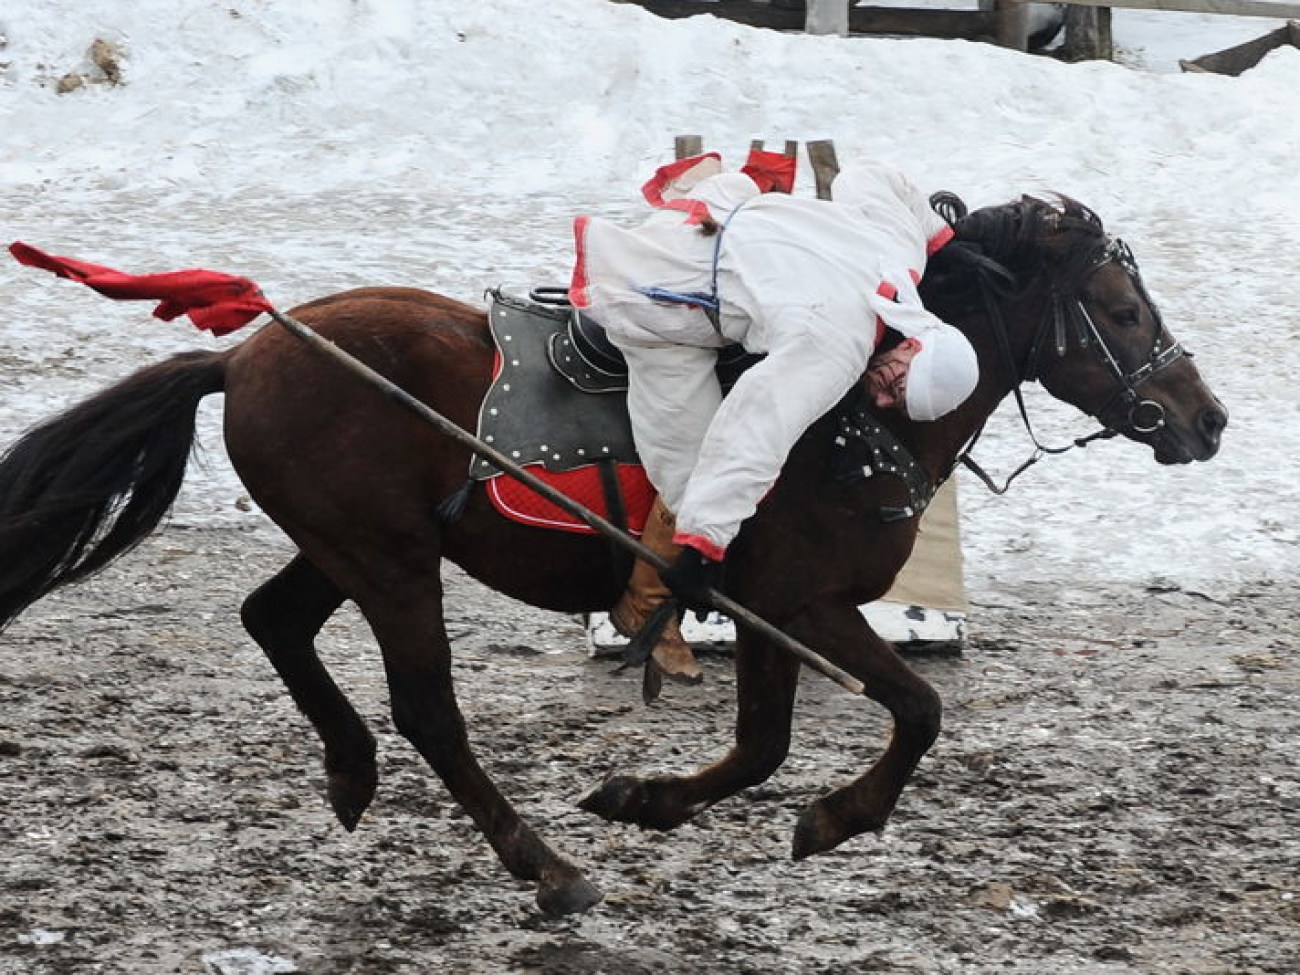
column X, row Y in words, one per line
column 939, row 444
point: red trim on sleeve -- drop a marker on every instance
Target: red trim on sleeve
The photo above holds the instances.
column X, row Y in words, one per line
column 653, row 190
column 938, row 240
column 578, row 294
column 701, row 544
column 696, row 210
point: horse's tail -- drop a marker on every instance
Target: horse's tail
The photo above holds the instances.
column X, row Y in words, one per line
column 90, row 484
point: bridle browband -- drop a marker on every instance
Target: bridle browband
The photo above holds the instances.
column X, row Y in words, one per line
column 1139, row 414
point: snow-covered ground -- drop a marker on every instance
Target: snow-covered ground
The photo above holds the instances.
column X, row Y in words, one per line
column 449, row 146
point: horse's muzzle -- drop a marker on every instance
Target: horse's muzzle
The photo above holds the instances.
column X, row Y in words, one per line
column 1197, row 441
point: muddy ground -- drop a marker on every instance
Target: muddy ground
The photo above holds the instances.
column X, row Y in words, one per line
column 1117, row 789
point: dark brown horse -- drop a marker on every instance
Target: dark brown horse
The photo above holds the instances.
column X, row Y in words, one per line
column 356, row 483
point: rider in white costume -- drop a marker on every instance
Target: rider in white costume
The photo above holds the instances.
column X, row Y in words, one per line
column 811, row 283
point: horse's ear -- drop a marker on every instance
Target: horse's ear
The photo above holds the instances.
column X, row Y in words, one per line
column 950, row 206
column 1081, row 212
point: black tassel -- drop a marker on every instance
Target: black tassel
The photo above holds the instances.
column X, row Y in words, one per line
column 450, row 510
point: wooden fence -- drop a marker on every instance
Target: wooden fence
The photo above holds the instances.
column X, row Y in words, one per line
column 1002, row 21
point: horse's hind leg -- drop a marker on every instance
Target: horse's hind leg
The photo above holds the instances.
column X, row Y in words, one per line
column 283, row 616
column 766, row 680
column 407, row 621
column 841, row 633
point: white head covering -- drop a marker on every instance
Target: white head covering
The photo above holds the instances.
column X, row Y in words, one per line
column 942, row 374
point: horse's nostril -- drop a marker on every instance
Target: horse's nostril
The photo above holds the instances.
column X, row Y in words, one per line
column 1212, row 422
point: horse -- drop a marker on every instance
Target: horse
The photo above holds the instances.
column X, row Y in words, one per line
column 1039, row 287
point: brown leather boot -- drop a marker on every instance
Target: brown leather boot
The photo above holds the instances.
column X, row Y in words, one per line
column 646, row 591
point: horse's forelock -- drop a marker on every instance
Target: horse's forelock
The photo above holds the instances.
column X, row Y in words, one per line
column 1075, row 242
column 1054, row 229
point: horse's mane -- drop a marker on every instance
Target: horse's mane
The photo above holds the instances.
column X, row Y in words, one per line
column 1009, row 247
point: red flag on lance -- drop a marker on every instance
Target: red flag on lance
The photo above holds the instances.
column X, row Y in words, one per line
column 215, row 302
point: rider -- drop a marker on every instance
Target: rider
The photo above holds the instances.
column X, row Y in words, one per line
column 813, row 284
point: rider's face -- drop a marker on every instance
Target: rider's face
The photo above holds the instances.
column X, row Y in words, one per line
column 887, row 374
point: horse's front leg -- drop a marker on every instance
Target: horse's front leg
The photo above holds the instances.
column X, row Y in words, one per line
column 841, row 633
column 408, row 623
column 766, row 679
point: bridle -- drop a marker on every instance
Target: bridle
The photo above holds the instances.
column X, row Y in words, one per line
column 1140, row 415
column 1137, row 413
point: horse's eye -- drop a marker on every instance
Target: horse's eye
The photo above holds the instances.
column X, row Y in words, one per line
column 1126, row 317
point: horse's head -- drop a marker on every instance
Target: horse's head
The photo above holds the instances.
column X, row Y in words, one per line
column 1093, row 337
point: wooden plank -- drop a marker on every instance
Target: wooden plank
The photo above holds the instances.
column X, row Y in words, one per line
column 828, row 17
column 686, row 146
column 1242, row 57
column 1012, row 19
column 1088, row 34
column 825, row 165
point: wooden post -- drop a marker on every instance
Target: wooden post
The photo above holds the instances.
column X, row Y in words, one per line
column 825, row 165
column 1087, row 34
column 685, row 146
column 1012, row 19
column 827, row 17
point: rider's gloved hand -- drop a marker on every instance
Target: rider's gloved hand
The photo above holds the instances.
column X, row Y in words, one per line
column 690, row 578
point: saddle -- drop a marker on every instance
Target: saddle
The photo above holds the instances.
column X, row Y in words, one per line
column 578, row 443
column 551, row 359
column 583, row 354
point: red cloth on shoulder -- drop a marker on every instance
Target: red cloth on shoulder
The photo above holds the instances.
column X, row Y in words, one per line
column 772, row 172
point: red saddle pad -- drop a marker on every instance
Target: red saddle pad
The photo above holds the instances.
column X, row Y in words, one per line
column 520, row 503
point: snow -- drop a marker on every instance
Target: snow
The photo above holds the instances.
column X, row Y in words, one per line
column 449, row 146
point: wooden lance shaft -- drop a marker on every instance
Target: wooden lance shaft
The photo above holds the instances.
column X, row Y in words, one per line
column 720, row 602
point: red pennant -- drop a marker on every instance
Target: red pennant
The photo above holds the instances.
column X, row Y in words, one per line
column 215, row 302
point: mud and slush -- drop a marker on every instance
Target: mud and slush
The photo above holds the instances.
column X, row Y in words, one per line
column 1116, row 789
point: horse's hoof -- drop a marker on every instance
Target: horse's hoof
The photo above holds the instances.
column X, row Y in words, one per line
column 573, row 897
column 648, row 803
column 350, row 796
column 820, row 828
column 611, row 799
column 814, row 833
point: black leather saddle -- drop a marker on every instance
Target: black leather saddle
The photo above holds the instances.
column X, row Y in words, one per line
column 583, row 354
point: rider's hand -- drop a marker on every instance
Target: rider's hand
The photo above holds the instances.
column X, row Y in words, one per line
column 690, row 578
